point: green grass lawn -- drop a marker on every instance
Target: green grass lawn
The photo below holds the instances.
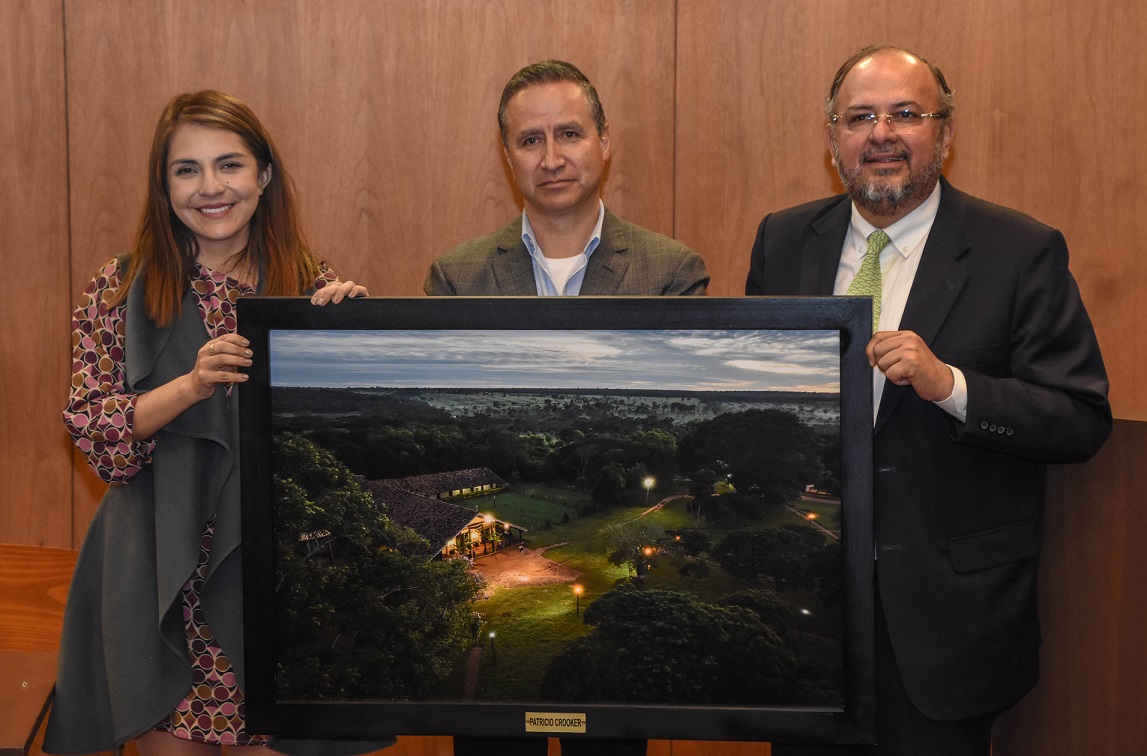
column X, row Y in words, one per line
column 530, row 626
column 522, row 509
column 531, row 505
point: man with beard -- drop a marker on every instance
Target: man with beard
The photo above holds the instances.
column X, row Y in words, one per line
column 985, row 369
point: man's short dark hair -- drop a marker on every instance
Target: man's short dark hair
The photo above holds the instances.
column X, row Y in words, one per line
column 550, row 72
column 944, row 93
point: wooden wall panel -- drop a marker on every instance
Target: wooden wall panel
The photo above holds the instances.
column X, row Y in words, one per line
column 749, row 75
column 1033, row 80
column 1092, row 694
column 34, row 452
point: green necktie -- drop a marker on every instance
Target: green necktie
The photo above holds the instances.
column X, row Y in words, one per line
column 867, row 281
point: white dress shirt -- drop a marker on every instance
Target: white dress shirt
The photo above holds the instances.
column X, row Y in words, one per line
column 899, row 262
column 560, row 276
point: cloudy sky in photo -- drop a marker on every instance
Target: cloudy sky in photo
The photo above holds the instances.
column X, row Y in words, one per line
column 692, row 360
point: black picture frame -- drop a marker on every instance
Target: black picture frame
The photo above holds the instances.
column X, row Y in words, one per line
column 263, row 319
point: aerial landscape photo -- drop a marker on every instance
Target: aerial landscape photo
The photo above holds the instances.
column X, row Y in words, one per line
column 612, row 516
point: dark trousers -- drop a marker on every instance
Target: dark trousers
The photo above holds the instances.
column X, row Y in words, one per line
column 901, row 730
column 540, row 746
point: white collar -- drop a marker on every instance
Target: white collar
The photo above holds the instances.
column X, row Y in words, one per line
column 908, row 233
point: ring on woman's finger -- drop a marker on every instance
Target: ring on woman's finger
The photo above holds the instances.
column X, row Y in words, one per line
column 211, row 346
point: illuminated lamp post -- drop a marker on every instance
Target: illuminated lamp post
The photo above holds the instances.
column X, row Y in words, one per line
column 493, row 650
column 648, row 483
column 578, row 590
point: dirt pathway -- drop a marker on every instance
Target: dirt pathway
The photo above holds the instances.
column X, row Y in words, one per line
column 510, row 568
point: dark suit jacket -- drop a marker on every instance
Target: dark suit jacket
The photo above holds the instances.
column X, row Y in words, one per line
column 959, row 508
column 630, row 261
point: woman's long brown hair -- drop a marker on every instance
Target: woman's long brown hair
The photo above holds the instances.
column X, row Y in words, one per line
column 165, row 249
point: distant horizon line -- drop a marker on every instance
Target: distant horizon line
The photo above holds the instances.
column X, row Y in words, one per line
column 568, row 388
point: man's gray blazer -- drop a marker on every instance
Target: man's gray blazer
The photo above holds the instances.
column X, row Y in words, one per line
column 630, row 261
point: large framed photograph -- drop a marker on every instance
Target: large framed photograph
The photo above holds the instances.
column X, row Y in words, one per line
column 586, row 517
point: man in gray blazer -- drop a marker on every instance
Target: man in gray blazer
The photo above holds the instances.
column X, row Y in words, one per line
column 556, row 141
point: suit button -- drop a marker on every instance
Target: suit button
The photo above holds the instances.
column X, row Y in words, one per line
column 1001, row 430
column 992, row 427
column 1011, row 431
column 984, row 425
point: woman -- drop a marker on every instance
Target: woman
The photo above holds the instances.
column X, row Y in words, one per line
column 152, row 641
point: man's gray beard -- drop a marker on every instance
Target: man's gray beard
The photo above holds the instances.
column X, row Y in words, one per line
column 884, row 199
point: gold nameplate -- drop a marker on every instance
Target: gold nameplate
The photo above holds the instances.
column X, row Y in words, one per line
column 546, row 721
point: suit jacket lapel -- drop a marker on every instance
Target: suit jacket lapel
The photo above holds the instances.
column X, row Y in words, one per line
column 820, row 258
column 513, row 269
column 608, row 263
column 938, row 282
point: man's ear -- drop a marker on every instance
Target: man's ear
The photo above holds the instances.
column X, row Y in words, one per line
column 506, row 154
column 828, row 143
column 605, row 142
column 949, row 132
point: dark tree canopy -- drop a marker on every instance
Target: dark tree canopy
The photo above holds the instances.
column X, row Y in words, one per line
column 691, row 541
column 663, row 646
column 361, row 612
column 765, row 450
column 766, row 604
column 787, row 558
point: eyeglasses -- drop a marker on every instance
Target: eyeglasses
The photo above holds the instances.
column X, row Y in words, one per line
column 902, row 121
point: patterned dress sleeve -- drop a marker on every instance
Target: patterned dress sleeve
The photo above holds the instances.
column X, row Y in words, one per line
column 100, row 411
column 326, row 275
